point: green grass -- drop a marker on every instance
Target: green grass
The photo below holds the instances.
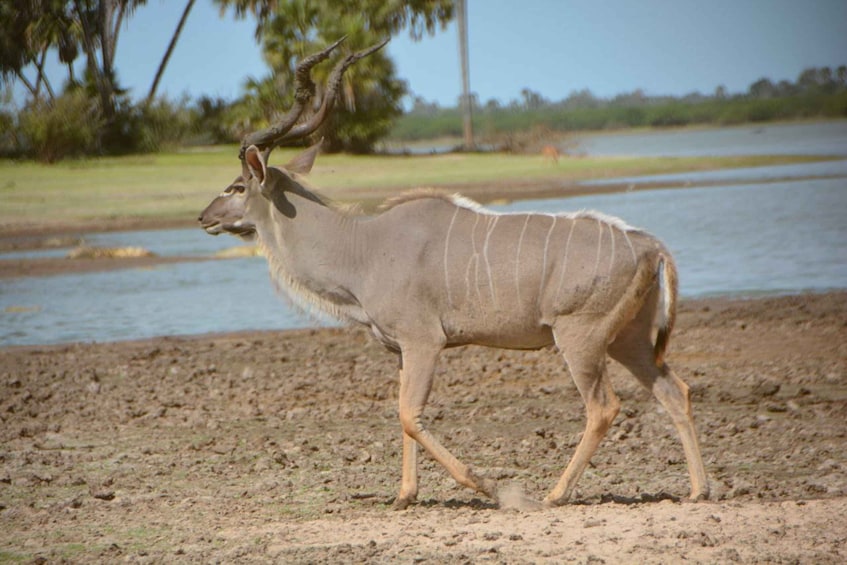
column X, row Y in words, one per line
column 340, row 173
column 177, row 185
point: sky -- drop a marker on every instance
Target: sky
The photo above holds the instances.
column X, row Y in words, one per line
column 554, row 47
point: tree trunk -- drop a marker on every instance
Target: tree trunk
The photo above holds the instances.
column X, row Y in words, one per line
column 107, row 49
column 42, row 78
column 103, row 91
column 71, row 76
column 166, row 58
column 467, row 109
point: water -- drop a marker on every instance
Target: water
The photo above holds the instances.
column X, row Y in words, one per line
column 797, row 171
column 165, row 243
column 740, row 239
column 174, row 299
column 816, row 138
column 829, row 138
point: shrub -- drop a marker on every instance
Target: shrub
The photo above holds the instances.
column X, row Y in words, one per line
column 163, row 124
column 68, row 127
column 147, row 128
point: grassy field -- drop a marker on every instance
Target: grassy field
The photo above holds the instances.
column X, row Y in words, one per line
column 176, row 186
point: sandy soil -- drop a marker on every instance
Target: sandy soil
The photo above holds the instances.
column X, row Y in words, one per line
column 284, row 446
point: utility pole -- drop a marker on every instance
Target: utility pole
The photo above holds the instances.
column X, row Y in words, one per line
column 467, row 107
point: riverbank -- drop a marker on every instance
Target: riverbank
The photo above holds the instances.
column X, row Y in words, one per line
column 284, row 446
column 169, row 190
column 69, row 233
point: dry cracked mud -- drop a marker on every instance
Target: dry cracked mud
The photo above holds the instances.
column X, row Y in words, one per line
column 285, row 447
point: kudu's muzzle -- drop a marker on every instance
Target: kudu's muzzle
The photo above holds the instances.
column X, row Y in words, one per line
column 226, row 214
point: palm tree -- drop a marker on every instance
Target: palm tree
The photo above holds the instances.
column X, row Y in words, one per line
column 371, row 92
column 166, row 58
column 15, row 51
column 30, row 28
column 100, row 22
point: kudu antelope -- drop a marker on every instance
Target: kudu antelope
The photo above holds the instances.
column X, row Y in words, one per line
column 550, row 153
column 434, row 271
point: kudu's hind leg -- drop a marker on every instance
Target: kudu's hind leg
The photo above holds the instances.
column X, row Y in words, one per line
column 636, row 354
column 586, row 361
column 415, row 385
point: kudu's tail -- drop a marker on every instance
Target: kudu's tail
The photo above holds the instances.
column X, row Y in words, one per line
column 668, row 288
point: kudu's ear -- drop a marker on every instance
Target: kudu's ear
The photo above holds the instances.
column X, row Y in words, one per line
column 303, row 162
column 256, row 163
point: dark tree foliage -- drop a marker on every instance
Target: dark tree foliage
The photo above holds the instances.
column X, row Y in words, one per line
column 371, row 95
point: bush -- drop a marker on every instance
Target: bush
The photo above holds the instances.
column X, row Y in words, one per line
column 147, row 128
column 8, row 137
column 163, row 124
column 210, row 124
column 68, row 127
column 72, row 125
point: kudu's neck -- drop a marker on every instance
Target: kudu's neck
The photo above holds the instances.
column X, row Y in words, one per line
column 311, row 250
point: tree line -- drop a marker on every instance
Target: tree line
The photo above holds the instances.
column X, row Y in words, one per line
column 816, row 93
column 89, row 112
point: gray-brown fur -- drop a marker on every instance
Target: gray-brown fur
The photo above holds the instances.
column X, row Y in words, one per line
column 434, row 271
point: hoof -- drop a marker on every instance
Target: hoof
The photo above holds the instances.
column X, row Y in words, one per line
column 401, row 503
column 698, row 497
column 550, row 503
column 484, row 486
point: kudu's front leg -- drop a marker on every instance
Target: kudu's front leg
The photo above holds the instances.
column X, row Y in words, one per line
column 409, row 484
column 415, row 385
column 586, row 360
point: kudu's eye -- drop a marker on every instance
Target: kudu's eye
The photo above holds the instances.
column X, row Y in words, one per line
column 234, row 189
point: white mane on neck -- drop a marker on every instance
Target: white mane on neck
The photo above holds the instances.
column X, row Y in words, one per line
column 302, row 298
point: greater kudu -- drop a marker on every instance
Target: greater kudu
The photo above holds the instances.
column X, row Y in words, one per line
column 434, row 271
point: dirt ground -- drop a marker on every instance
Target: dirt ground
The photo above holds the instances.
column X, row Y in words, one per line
column 285, row 447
